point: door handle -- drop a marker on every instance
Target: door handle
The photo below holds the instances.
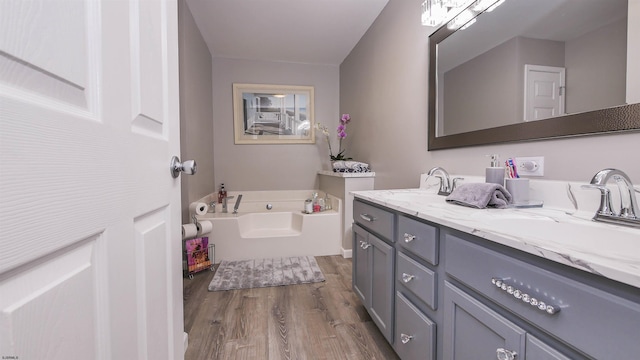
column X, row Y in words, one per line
column 188, row 167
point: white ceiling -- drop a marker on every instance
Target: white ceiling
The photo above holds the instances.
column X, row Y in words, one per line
column 304, row 31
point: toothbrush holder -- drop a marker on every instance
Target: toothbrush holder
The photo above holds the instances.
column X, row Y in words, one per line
column 519, row 189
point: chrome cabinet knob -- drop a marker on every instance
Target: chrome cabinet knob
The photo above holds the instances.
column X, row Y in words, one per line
column 188, row 167
column 504, row 354
column 405, row 338
column 407, row 277
column 408, row 237
column 364, row 245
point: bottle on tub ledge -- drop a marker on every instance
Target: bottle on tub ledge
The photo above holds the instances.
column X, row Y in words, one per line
column 222, row 193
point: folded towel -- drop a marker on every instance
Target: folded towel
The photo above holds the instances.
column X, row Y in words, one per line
column 350, row 166
column 480, row 195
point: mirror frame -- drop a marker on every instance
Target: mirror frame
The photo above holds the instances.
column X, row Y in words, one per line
column 614, row 119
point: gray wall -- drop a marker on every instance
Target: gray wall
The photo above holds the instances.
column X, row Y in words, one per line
column 196, row 127
column 383, row 83
column 271, row 167
column 605, row 66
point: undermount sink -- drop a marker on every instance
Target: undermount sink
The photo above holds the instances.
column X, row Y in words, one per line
column 577, row 234
column 424, row 197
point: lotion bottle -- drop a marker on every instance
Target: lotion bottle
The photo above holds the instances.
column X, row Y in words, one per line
column 495, row 173
column 222, row 193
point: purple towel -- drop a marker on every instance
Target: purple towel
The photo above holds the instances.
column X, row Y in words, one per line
column 480, row 195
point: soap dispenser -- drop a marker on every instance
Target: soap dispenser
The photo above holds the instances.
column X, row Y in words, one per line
column 495, row 173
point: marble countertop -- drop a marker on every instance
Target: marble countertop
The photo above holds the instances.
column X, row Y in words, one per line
column 566, row 236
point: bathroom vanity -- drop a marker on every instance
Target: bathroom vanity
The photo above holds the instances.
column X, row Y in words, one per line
column 443, row 281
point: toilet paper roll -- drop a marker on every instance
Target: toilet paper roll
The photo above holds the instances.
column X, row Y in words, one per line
column 189, row 231
column 198, row 208
column 205, row 227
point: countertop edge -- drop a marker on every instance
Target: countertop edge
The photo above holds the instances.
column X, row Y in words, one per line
column 625, row 272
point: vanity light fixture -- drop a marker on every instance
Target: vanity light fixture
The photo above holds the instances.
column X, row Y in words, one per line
column 438, row 12
column 433, row 12
column 465, row 19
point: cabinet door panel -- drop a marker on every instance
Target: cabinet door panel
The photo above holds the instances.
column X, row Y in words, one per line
column 381, row 309
column 473, row 331
column 415, row 332
column 361, row 274
column 537, row 350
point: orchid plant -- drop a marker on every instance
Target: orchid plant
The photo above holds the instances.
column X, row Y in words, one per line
column 342, row 133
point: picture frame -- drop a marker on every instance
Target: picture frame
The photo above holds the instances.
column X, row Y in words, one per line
column 273, row 114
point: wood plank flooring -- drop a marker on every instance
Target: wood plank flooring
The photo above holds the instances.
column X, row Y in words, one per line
column 311, row 321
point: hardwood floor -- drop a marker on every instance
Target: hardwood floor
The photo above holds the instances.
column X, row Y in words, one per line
column 311, row 321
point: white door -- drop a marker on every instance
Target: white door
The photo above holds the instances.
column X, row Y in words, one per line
column 90, row 264
column 544, row 92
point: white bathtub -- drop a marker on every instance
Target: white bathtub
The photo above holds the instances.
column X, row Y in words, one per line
column 256, row 232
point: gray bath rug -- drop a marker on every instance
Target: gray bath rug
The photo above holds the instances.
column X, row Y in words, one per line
column 247, row 274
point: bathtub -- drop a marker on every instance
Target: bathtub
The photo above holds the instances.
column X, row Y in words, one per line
column 256, row 232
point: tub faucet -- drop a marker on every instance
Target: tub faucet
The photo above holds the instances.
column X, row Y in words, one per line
column 446, row 185
column 237, row 205
column 628, row 214
column 224, row 203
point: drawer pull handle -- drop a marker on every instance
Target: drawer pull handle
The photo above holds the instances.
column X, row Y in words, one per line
column 367, row 217
column 518, row 294
column 405, row 338
column 504, row 354
column 406, row 277
column 364, row 245
column 408, row 237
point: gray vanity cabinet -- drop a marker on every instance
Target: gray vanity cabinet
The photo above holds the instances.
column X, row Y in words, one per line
column 438, row 293
column 373, row 263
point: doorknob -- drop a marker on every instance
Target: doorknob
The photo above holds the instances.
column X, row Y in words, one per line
column 188, row 167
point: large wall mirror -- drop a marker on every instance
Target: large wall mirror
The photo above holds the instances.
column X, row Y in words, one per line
column 530, row 69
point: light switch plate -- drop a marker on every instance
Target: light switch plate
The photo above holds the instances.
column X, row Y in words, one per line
column 530, row 165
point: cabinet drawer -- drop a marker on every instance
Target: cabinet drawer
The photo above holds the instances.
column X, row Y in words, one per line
column 374, row 219
column 419, row 238
column 601, row 324
column 417, row 279
column 415, row 334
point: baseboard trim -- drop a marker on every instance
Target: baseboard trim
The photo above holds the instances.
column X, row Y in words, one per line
column 347, row 253
column 185, row 338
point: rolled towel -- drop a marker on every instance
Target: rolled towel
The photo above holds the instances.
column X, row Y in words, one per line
column 480, row 195
column 350, row 166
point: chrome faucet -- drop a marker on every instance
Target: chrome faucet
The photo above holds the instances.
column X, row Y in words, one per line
column 628, row 214
column 237, row 205
column 224, row 203
column 446, row 185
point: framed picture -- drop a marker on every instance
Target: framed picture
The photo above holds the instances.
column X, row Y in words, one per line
column 273, row 114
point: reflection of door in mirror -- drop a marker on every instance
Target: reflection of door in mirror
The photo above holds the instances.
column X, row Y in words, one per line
column 543, row 92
